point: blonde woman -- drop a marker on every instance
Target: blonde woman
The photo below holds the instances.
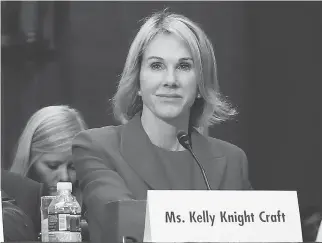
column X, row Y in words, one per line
column 44, row 148
column 169, row 84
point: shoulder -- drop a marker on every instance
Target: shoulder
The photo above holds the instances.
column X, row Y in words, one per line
column 11, row 183
column 26, row 193
column 226, row 148
column 101, row 132
column 109, row 136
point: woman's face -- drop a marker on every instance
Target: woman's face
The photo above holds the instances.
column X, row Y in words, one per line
column 168, row 83
column 51, row 168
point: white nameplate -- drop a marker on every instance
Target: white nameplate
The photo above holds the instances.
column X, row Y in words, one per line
column 319, row 236
column 1, row 221
column 222, row 216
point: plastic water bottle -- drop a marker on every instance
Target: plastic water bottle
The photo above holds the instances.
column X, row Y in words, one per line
column 45, row 202
column 64, row 216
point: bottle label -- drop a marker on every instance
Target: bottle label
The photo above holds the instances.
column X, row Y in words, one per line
column 64, row 236
column 64, row 222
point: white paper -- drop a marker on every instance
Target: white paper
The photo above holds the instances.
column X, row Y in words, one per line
column 319, row 235
column 1, row 221
column 147, row 228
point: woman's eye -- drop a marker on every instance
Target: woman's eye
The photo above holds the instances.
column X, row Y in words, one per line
column 156, row 66
column 53, row 166
column 184, row 66
column 71, row 167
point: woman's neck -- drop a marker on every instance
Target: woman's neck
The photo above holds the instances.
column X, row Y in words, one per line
column 163, row 133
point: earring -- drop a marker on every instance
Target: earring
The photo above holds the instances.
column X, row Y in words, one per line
column 199, row 96
column 139, row 92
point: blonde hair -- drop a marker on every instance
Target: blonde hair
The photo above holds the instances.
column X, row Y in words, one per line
column 210, row 108
column 50, row 129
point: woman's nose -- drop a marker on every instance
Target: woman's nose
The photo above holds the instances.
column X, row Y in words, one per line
column 63, row 175
column 170, row 77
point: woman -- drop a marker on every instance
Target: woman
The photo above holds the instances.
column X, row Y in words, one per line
column 44, row 148
column 169, row 84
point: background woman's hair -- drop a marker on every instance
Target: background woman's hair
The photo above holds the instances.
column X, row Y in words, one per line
column 50, row 129
column 211, row 108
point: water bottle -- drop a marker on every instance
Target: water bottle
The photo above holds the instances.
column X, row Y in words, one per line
column 45, row 202
column 64, row 216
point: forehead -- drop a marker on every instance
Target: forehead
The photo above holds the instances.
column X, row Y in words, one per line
column 61, row 157
column 167, row 46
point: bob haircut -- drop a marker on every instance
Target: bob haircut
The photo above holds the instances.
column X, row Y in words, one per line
column 49, row 130
column 210, row 108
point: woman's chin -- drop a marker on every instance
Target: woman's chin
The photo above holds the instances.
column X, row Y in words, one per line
column 170, row 114
column 52, row 190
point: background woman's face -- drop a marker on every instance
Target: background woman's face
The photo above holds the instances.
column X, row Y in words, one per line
column 51, row 168
column 168, row 82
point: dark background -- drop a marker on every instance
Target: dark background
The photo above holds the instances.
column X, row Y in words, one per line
column 269, row 58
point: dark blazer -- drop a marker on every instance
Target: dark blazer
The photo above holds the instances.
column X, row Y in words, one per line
column 119, row 163
column 17, row 225
column 25, row 192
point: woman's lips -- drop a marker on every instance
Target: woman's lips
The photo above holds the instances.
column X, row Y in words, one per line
column 170, row 96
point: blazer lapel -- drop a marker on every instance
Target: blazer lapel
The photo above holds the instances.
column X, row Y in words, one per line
column 139, row 152
column 211, row 158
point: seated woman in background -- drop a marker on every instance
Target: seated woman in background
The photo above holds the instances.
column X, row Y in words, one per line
column 44, row 148
column 169, row 84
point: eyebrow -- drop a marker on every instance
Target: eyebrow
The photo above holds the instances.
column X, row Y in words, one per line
column 160, row 58
column 53, row 162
